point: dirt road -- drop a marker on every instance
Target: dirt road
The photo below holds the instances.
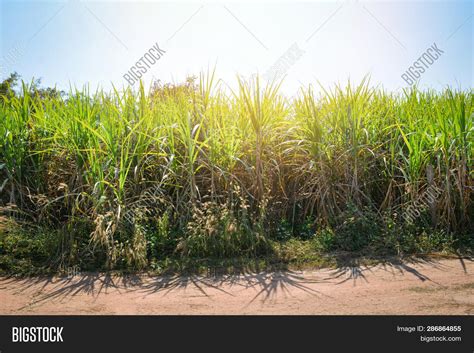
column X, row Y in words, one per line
column 419, row 287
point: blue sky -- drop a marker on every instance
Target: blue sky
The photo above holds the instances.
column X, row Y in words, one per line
column 96, row 43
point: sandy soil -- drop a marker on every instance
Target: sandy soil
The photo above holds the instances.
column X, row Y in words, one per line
column 419, row 287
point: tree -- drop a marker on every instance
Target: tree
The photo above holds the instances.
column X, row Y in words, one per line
column 7, row 85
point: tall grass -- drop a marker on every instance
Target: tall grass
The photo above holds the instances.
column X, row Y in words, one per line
column 227, row 170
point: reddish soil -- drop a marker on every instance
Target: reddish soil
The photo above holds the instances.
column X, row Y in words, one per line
column 416, row 287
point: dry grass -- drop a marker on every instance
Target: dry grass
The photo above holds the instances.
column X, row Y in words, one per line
column 228, row 172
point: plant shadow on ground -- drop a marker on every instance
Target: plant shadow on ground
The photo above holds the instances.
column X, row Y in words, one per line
column 267, row 281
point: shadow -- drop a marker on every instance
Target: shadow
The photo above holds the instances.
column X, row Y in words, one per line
column 61, row 288
column 268, row 283
column 461, row 259
column 349, row 268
